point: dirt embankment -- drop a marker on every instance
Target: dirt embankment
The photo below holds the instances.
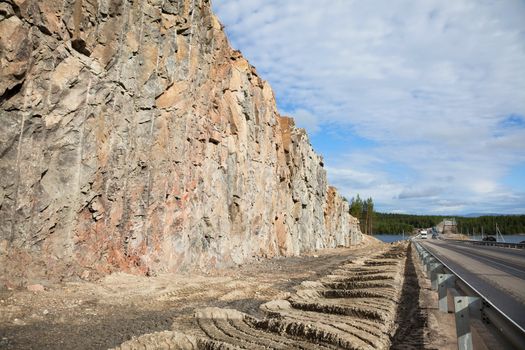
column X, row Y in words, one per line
column 340, row 298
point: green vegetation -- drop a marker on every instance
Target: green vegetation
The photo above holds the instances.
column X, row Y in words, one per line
column 507, row 224
column 388, row 223
column 398, row 223
column 364, row 211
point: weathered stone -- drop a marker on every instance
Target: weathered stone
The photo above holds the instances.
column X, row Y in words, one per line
column 134, row 138
column 15, row 50
column 35, row 288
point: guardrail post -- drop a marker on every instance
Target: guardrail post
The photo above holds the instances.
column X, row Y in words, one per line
column 428, row 266
column 426, row 263
column 451, row 293
column 435, row 268
column 444, row 280
column 463, row 307
column 419, row 251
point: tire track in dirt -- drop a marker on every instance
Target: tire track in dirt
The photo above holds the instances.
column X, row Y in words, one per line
column 411, row 318
column 353, row 307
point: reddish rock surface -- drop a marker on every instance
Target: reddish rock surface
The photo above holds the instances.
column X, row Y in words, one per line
column 133, row 138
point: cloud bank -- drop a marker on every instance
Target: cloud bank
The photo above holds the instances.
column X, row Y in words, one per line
column 419, row 104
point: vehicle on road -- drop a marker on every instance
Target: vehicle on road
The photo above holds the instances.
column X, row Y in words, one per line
column 423, row 234
column 490, row 239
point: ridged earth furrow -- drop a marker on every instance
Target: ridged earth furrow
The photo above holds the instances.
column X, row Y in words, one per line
column 340, row 333
column 360, row 278
column 357, row 274
column 210, row 344
column 365, row 270
column 219, row 336
column 380, row 301
column 298, row 338
column 230, row 328
column 369, row 326
column 359, row 285
column 382, row 258
column 378, row 304
column 352, row 308
column 347, row 327
column 369, row 338
column 318, row 335
column 161, row 340
column 376, row 263
column 340, row 310
column 393, row 255
column 359, row 293
column 248, row 326
column 220, row 331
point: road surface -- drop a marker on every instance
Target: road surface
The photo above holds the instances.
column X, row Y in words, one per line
column 497, row 273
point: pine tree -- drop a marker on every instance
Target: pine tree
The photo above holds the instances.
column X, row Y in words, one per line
column 364, row 211
column 356, row 206
column 356, row 210
column 370, row 215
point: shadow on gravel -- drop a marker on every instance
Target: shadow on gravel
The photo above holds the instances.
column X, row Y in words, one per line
column 248, row 306
column 104, row 332
column 410, row 320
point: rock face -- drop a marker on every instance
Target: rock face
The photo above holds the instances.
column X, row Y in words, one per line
column 133, row 138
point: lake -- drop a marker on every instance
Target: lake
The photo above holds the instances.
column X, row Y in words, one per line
column 390, row 238
column 508, row 238
column 395, row 238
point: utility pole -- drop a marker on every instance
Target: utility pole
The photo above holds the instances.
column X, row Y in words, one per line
column 498, row 232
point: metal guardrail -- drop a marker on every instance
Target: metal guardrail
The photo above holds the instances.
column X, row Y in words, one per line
column 490, row 243
column 468, row 304
column 500, row 244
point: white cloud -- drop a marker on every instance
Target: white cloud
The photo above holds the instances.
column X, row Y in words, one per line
column 304, row 119
column 428, row 82
column 427, row 192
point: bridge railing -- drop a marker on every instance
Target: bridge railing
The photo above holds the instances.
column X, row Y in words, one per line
column 458, row 296
column 489, row 243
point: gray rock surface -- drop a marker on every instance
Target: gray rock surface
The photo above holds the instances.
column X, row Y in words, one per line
column 133, row 138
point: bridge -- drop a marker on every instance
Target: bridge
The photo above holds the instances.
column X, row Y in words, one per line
column 493, row 274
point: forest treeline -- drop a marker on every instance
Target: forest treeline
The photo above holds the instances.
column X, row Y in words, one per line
column 373, row 222
column 388, row 223
column 397, row 223
column 507, row 224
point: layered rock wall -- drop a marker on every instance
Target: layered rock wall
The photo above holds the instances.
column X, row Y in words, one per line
column 133, row 138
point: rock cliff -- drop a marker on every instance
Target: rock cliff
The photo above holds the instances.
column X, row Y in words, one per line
column 133, row 138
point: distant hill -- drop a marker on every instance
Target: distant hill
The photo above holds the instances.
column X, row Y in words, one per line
column 477, row 215
column 475, row 222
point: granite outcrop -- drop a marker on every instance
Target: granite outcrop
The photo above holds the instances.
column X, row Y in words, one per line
column 134, row 138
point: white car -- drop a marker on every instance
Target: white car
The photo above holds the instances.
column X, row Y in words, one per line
column 423, row 234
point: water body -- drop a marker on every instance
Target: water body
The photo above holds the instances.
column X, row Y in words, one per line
column 396, row 238
column 390, row 238
column 508, row 238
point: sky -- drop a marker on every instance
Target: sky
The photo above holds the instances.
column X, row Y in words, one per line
column 417, row 104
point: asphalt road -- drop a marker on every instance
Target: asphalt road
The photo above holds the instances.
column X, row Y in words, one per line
column 497, row 273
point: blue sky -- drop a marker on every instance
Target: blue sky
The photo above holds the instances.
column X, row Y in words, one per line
column 418, row 104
